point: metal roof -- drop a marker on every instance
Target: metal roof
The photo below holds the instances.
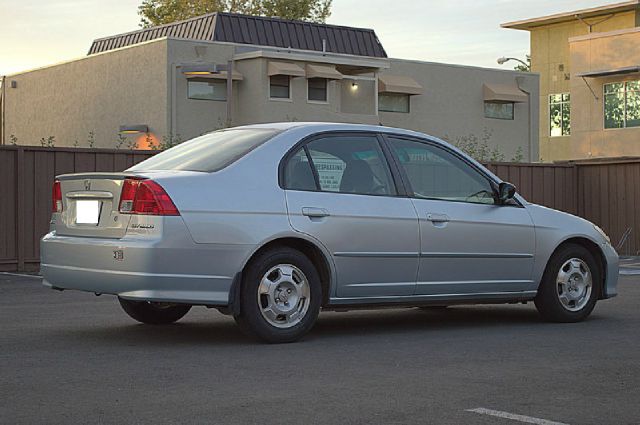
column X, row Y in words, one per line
column 256, row 30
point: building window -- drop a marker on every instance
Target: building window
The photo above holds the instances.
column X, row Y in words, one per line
column 395, row 102
column 207, row 90
column 622, row 104
column 559, row 114
column 500, row 111
column 279, row 87
column 317, row 89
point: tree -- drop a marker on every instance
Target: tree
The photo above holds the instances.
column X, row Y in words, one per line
column 158, row 12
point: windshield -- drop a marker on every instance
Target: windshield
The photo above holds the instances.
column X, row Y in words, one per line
column 211, row 152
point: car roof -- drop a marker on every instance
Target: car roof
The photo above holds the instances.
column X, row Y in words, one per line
column 312, row 127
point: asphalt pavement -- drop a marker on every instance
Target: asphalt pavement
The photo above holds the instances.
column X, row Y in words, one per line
column 71, row 357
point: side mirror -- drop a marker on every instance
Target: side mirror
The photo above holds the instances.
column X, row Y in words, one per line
column 506, row 191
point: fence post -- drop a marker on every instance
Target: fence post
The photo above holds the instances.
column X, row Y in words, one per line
column 20, row 193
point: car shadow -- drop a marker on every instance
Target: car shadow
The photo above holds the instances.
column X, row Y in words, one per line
column 421, row 321
column 199, row 329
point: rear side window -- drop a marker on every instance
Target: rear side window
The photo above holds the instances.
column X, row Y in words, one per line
column 211, row 152
column 344, row 164
column 298, row 173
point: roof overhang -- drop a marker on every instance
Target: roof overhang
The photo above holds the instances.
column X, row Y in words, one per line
column 610, row 72
column 527, row 24
column 323, row 58
column 503, row 93
column 398, row 84
column 323, row 71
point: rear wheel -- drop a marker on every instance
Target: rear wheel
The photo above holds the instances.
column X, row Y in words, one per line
column 280, row 296
column 570, row 285
column 154, row 313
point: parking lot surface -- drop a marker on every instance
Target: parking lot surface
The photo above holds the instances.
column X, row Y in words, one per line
column 72, row 357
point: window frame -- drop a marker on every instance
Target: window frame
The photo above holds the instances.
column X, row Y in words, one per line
column 280, row 99
column 396, row 178
column 624, row 104
column 209, row 81
column 561, row 103
column 493, row 182
column 326, row 91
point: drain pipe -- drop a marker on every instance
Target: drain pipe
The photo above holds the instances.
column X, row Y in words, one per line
column 519, row 82
column 2, row 109
column 229, row 93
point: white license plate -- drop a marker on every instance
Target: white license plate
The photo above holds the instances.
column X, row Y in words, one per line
column 87, row 212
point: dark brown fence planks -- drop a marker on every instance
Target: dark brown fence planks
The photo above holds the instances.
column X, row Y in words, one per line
column 607, row 193
column 27, row 174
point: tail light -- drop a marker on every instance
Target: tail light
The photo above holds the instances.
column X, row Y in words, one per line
column 56, row 197
column 145, row 197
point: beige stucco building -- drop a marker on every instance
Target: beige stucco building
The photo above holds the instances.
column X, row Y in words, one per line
column 170, row 83
column 589, row 66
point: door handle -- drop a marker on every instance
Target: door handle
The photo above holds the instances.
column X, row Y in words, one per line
column 314, row 212
column 437, row 218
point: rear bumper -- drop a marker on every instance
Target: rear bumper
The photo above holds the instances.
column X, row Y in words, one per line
column 169, row 268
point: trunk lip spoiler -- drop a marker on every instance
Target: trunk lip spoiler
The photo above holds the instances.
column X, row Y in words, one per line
column 112, row 176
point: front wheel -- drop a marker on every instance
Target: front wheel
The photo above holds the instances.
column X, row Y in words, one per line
column 570, row 285
column 154, row 313
column 280, row 296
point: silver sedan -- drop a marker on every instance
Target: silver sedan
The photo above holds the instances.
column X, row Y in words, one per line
column 271, row 223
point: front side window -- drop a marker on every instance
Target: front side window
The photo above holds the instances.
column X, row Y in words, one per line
column 435, row 173
column 622, row 104
column 317, row 89
column 280, row 87
column 559, row 114
column 390, row 102
column 345, row 164
column 500, row 111
column 207, row 90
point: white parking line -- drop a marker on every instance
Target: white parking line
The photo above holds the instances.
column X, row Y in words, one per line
column 34, row 276
column 514, row 417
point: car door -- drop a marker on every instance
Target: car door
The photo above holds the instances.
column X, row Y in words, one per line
column 470, row 244
column 341, row 191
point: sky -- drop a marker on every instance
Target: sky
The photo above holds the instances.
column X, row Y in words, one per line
column 35, row 33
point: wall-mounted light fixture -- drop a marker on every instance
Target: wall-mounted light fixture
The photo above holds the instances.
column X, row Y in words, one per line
column 354, row 86
column 134, row 129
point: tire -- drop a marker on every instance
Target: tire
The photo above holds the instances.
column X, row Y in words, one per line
column 152, row 313
column 280, row 296
column 434, row 307
column 565, row 294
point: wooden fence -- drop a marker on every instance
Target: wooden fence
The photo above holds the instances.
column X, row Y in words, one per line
column 26, row 176
column 606, row 193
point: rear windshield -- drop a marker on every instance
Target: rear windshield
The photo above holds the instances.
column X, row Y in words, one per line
column 211, row 152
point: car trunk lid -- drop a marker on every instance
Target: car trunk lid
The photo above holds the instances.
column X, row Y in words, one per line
column 90, row 205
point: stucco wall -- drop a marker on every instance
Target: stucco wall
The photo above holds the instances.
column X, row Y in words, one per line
column 452, row 106
column 599, row 52
column 93, row 94
column 255, row 106
column 551, row 58
column 188, row 118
